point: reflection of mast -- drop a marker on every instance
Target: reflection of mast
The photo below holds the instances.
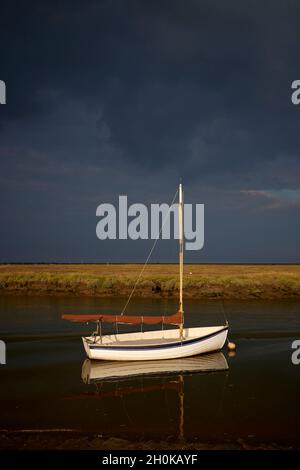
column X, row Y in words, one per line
column 181, row 407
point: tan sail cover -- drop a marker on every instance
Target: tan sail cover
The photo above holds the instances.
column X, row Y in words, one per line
column 175, row 319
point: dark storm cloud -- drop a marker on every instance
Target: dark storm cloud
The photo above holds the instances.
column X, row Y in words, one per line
column 110, row 97
column 157, row 72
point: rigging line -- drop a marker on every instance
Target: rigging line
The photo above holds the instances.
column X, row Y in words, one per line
column 223, row 312
column 151, row 251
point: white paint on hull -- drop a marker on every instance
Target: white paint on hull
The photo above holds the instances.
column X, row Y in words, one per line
column 156, row 345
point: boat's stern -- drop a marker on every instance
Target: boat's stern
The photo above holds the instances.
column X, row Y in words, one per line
column 86, row 345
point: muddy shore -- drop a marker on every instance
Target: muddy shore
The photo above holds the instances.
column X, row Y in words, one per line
column 59, row 441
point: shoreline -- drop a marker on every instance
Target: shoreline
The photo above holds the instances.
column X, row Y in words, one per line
column 59, row 440
column 201, row 281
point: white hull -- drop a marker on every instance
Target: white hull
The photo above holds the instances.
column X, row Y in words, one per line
column 156, row 345
column 93, row 371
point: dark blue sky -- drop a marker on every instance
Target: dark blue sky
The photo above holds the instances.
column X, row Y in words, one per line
column 125, row 97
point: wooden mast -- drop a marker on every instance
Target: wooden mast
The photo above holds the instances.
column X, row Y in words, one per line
column 180, row 207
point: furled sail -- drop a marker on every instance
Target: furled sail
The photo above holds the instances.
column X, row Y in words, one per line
column 175, row 319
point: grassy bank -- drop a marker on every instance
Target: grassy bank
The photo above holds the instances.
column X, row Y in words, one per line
column 200, row 281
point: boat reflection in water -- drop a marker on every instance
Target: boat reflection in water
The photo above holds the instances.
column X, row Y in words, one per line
column 93, row 371
column 170, row 372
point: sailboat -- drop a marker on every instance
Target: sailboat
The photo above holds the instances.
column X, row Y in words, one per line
column 155, row 344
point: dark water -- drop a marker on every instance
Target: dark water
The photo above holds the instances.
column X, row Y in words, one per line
column 256, row 399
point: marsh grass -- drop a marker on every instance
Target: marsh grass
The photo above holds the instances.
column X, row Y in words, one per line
column 211, row 281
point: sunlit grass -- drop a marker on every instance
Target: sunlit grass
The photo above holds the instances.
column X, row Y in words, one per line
column 225, row 281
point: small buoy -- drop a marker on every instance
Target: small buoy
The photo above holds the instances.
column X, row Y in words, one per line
column 231, row 353
column 231, row 346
